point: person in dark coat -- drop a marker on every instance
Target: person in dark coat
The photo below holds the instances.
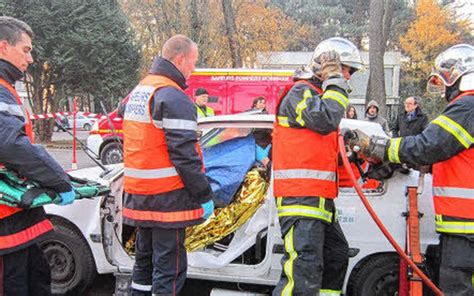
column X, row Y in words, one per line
column 24, row 269
column 410, row 122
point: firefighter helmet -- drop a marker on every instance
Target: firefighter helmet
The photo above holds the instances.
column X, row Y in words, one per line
column 450, row 65
column 348, row 53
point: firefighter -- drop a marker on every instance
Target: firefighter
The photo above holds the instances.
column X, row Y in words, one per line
column 24, row 270
column 165, row 186
column 447, row 143
column 305, row 159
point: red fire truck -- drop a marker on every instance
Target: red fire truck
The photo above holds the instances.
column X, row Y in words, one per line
column 230, row 91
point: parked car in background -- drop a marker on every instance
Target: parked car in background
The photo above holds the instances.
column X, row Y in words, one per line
column 90, row 236
column 82, row 122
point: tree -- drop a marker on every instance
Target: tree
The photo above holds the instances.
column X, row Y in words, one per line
column 204, row 22
column 380, row 20
column 231, row 30
column 433, row 30
column 81, row 48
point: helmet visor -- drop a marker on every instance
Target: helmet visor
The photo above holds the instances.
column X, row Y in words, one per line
column 436, row 84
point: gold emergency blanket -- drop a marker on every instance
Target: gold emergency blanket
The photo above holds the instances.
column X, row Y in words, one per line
column 226, row 220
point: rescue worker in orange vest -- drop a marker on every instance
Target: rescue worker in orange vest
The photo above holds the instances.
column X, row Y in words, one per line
column 448, row 144
column 165, row 186
column 24, row 270
column 305, row 158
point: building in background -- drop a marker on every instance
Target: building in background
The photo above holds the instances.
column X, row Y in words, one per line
column 293, row 60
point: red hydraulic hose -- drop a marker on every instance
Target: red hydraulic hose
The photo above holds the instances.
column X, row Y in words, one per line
column 347, row 166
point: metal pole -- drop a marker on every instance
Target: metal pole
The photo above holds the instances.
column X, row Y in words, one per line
column 74, row 156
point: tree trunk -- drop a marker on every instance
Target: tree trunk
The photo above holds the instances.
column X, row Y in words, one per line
column 376, row 85
column 231, row 29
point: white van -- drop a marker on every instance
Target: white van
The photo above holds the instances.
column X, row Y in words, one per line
column 90, row 236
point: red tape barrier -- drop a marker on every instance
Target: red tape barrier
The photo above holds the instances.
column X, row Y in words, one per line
column 54, row 115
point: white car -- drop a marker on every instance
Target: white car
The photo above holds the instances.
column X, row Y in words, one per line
column 90, row 235
column 82, row 122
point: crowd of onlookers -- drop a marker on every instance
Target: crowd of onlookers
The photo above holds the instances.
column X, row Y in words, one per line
column 410, row 121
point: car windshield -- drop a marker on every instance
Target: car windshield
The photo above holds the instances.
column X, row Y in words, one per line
column 219, row 135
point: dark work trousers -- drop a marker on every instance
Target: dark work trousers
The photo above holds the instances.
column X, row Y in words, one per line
column 457, row 265
column 160, row 262
column 25, row 272
column 316, row 257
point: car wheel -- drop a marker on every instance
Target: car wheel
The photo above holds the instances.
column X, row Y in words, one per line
column 112, row 153
column 72, row 264
column 87, row 127
column 376, row 277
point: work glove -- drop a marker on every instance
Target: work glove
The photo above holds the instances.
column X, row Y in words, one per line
column 208, row 208
column 370, row 148
column 330, row 65
column 261, row 153
column 66, row 198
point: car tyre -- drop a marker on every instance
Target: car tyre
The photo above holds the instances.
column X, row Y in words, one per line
column 112, row 153
column 72, row 264
column 87, row 127
column 376, row 277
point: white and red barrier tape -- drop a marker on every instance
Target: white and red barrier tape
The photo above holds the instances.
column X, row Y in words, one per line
column 54, row 115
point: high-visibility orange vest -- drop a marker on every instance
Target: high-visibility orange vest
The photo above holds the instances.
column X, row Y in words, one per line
column 304, row 162
column 453, row 182
column 13, row 240
column 148, row 168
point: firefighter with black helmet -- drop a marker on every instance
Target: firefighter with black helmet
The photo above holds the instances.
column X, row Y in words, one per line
column 447, row 143
column 305, row 159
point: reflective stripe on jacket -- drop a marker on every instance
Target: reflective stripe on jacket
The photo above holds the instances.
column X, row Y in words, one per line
column 448, row 144
column 147, row 165
column 453, row 180
column 305, row 162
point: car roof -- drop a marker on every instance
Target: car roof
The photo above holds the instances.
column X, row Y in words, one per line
column 266, row 121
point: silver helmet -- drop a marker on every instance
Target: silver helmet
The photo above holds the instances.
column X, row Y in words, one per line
column 450, row 65
column 348, row 53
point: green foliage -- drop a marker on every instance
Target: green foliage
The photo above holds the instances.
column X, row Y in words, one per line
column 86, row 47
column 349, row 19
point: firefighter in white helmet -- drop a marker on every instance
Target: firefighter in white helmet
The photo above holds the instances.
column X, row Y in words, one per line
column 305, row 159
column 447, row 143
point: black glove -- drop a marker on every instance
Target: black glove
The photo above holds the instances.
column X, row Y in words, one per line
column 371, row 148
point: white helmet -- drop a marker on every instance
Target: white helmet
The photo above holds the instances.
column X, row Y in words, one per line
column 450, row 65
column 348, row 53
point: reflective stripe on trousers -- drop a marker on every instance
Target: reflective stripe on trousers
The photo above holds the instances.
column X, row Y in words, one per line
column 304, row 211
column 464, row 227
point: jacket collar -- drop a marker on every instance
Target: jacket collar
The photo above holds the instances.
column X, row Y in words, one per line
column 165, row 68
column 9, row 72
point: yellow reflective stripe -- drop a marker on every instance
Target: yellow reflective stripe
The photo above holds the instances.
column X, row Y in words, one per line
column 463, row 227
column 305, row 211
column 279, row 201
column 288, row 266
column 325, row 292
column 455, row 129
column 301, row 106
column 337, row 96
column 283, row 121
column 393, row 150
